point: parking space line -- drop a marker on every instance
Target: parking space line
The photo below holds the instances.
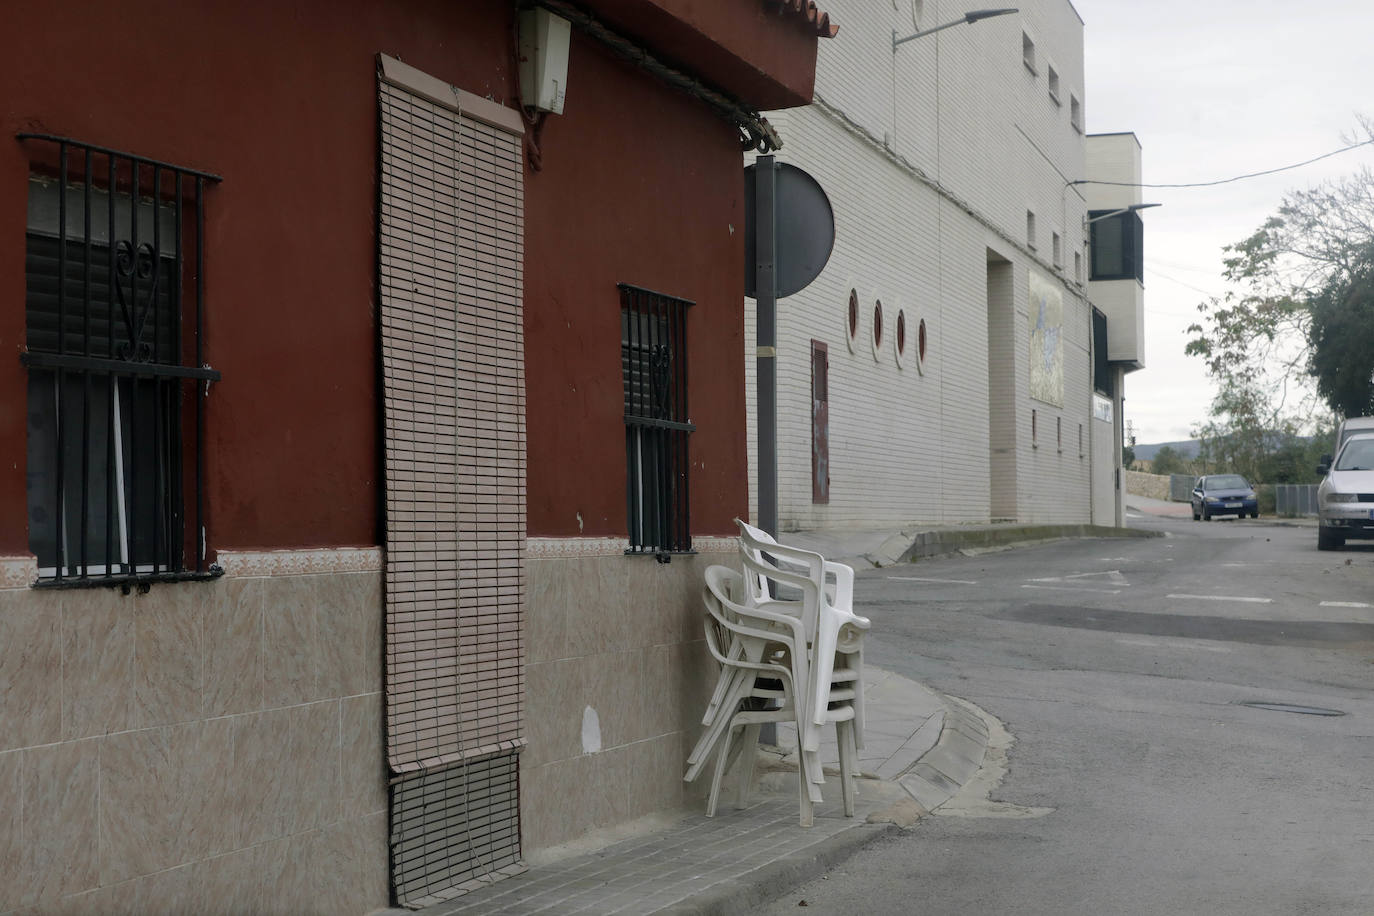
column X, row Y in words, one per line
column 940, row 581
column 1151, row 644
column 1224, row 598
column 1345, row 604
column 1075, row 588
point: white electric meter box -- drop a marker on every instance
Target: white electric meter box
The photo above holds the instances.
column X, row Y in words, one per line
column 543, row 59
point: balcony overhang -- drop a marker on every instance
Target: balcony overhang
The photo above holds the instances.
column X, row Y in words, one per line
column 762, row 52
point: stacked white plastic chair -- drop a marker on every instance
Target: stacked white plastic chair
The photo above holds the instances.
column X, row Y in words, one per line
column 792, row 612
column 826, row 605
column 753, row 647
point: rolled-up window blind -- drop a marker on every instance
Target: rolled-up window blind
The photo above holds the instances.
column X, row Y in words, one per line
column 450, row 262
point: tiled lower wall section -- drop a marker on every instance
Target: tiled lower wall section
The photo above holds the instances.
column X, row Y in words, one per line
column 207, row 747
column 617, row 679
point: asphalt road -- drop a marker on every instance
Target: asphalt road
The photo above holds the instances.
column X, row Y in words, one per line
column 1139, row 783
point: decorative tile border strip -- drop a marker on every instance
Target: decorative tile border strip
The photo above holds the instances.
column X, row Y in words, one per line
column 569, row 548
column 322, row 561
column 18, row 572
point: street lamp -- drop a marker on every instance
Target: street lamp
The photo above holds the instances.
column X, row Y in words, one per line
column 1131, row 209
column 969, row 18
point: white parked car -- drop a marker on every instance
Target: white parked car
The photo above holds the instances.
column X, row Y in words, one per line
column 1345, row 499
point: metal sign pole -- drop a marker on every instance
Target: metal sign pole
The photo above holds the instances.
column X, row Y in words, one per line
column 765, row 287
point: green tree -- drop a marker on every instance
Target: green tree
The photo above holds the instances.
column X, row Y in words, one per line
column 1127, row 456
column 1295, row 329
column 1168, row 461
column 1242, row 432
column 1340, row 337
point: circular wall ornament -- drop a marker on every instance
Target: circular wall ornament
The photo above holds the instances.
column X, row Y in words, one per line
column 877, row 327
column 921, row 347
column 851, row 319
column 899, row 339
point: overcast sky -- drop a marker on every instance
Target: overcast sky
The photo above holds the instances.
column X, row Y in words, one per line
column 1214, row 89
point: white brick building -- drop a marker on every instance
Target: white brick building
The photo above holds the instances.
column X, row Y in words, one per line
column 961, row 242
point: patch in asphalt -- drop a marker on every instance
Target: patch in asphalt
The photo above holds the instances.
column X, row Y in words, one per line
column 1310, row 634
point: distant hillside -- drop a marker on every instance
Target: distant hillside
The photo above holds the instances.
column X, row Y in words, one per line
column 1186, row 449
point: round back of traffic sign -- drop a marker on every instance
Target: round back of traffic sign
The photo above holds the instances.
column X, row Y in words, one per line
column 804, row 229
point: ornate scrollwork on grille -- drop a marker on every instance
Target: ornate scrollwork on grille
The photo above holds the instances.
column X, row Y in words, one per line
column 140, row 270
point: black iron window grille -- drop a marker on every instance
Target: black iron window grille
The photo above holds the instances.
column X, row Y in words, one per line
column 114, row 306
column 653, row 364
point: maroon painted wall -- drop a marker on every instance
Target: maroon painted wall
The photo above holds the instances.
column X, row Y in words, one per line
column 279, row 99
column 640, row 184
column 644, row 186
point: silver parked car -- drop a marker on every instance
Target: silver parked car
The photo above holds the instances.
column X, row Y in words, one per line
column 1345, row 499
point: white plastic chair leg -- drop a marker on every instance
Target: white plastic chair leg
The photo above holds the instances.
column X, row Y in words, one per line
column 811, row 764
column 806, row 815
column 713, row 734
column 749, row 748
column 844, row 737
column 722, row 763
column 713, row 706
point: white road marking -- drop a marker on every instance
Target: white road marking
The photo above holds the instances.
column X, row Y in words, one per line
column 1113, row 576
column 1224, row 598
column 1151, row 644
column 1345, row 604
column 941, row 581
column 1075, row 588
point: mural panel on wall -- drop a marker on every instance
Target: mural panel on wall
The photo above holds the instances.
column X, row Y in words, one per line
column 1046, row 340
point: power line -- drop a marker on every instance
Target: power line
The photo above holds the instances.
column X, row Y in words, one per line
column 1164, row 276
column 1209, row 184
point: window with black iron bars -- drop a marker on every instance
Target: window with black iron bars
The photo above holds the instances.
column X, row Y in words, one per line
column 114, row 268
column 653, row 350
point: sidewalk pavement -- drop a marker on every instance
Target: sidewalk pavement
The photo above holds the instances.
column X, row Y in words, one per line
column 921, row 747
column 1160, row 508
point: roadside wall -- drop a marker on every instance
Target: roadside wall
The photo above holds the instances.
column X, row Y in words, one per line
column 1154, row 486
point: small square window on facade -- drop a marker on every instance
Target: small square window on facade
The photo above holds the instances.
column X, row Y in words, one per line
column 1077, row 267
column 1075, row 113
column 1053, row 78
column 1030, row 230
column 1028, row 52
column 1056, row 249
column 1116, row 242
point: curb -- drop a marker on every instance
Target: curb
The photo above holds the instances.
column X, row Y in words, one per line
column 956, row 757
column 766, row 884
column 908, row 546
column 954, row 760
